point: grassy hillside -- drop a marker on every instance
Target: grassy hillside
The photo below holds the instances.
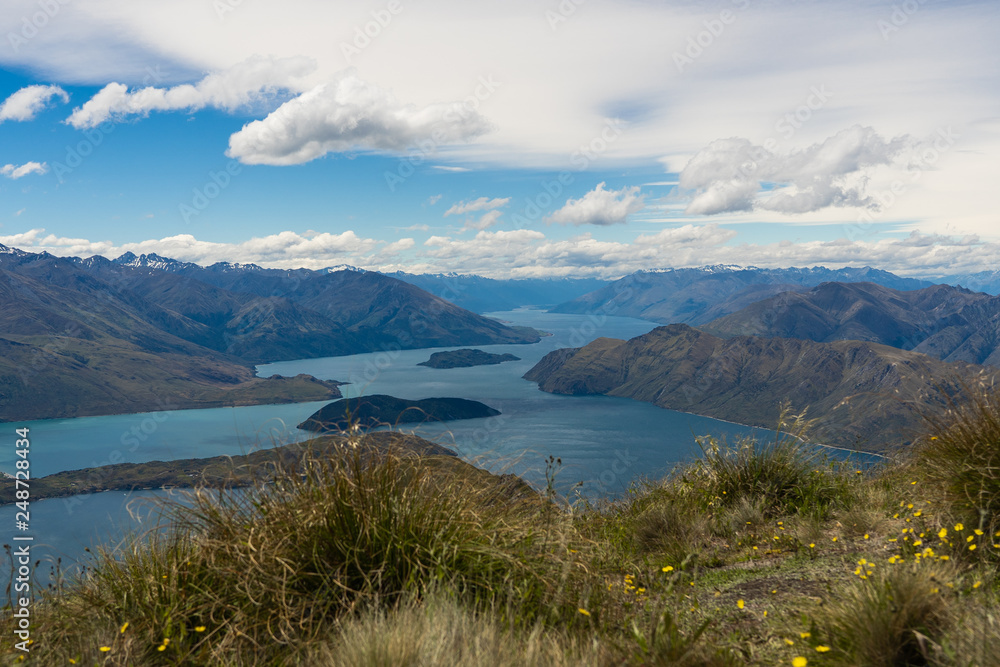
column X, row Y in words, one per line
column 755, row 554
column 214, row 472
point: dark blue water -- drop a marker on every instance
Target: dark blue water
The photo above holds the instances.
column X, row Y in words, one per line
column 603, row 442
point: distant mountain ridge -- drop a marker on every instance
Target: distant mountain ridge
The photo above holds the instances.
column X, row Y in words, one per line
column 263, row 314
column 698, row 296
column 865, row 395
column 946, row 322
column 96, row 336
column 482, row 295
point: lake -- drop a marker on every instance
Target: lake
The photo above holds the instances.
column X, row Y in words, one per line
column 603, row 442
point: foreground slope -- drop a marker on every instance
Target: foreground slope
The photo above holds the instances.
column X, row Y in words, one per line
column 865, row 396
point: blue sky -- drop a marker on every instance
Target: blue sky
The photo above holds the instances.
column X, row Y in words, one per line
column 506, row 139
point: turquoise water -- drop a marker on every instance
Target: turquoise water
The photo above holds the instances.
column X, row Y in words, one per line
column 603, row 442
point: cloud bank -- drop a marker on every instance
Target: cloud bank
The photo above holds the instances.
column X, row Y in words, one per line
column 251, row 81
column 730, row 175
column 350, row 114
column 529, row 253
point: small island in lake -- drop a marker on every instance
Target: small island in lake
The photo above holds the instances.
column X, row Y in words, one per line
column 380, row 410
column 465, row 358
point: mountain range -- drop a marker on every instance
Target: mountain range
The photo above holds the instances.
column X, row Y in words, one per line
column 698, row 296
column 483, row 295
column 865, row 395
column 96, row 336
column 949, row 323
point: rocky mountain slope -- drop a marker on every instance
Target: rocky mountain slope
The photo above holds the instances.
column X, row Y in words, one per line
column 93, row 336
column 945, row 322
column 698, row 296
column 866, row 396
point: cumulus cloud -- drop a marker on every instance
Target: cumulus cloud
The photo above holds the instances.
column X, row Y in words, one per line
column 15, row 171
column 251, row 81
column 348, row 114
column 26, row 103
column 729, row 175
column 481, row 204
column 600, row 207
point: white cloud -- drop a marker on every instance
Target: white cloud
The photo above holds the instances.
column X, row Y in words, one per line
column 481, row 204
column 529, row 253
column 600, row 207
column 416, row 228
column 26, row 103
column 455, row 170
column 728, row 174
column 486, row 221
column 15, row 172
column 433, row 199
column 285, row 249
column 251, row 81
column 348, row 114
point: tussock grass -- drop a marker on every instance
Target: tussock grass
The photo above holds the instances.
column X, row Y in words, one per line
column 439, row 632
column 895, row 616
column 960, row 457
column 775, row 478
